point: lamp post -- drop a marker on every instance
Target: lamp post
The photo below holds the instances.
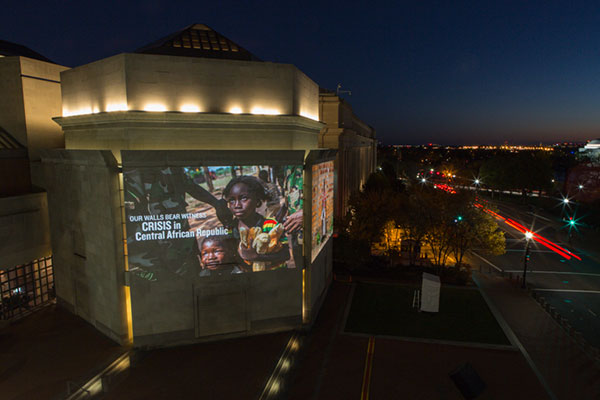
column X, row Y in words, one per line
column 528, row 236
column 476, row 182
column 565, row 203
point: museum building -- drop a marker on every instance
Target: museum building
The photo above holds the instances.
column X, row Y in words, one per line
column 156, row 142
column 192, row 100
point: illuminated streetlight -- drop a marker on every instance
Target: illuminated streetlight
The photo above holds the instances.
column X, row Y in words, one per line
column 580, row 187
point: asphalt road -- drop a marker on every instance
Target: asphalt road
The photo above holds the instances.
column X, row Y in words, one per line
column 571, row 286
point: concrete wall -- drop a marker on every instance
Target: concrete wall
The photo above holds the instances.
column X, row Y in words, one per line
column 320, row 277
column 356, row 144
column 42, row 102
column 15, row 178
column 87, row 239
column 179, row 311
column 29, row 98
column 181, row 131
column 138, row 82
column 24, row 233
column 94, row 87
column 166, row 83
column 12, row 110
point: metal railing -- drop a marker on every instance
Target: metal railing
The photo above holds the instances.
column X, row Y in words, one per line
column 26, row 287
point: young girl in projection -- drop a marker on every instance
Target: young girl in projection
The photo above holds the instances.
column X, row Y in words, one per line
column 261, row 241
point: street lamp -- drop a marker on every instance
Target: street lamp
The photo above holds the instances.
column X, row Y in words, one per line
column 528, row 236
column 476, row 182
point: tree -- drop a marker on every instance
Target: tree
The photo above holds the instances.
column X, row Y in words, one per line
column 448, row 223
column 369, row 214
column 437, row 219
column 409, row 218
column 524, row 171
column 453, row 226
column 476, row 229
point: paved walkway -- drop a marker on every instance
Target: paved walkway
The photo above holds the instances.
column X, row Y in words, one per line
column 40, row 353
column 334, row 364
column 563, row 365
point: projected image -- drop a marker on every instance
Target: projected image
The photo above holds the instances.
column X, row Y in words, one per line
column 199, row 221
column 322, row 205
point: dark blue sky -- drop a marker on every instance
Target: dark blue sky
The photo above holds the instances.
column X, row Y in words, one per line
column 420, row 71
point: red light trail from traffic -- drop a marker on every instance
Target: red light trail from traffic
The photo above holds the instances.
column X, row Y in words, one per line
column 538, row 238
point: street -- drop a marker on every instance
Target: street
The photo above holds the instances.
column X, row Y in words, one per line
column 571, row 286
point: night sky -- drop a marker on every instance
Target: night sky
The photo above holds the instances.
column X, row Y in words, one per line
column 419, row 71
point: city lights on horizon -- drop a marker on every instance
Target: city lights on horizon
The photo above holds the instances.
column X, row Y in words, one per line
column 504, row 147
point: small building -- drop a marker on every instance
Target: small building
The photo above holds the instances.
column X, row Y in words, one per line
column 591, row 151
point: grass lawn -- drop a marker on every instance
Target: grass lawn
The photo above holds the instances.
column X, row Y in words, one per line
column 386, row 310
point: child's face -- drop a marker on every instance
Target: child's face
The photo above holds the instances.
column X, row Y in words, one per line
column 212, row 254
column 240, row 202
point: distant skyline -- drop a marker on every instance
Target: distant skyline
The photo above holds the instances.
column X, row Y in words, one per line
column 448, row 72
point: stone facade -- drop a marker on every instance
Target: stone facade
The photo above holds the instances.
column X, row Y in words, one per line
column 30, row 95
column 29, row 98
column 355, row 142
column 87, row 236
column 136, row 102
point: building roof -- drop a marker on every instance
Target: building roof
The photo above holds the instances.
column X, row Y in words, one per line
column 198, row 40
column 14, row 49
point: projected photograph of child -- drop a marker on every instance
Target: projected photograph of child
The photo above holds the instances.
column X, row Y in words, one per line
column 172, row 212
column 261, row 241
column 218, row 256
column 257, row 199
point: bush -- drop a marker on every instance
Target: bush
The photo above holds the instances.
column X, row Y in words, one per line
column 456, row 276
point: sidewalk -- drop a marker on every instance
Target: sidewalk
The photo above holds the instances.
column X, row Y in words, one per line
column 40, row 353
column 333, row 366
column 565, row 368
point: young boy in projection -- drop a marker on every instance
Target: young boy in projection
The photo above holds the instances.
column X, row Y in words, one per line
column 217, row 256
column 261, row 241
